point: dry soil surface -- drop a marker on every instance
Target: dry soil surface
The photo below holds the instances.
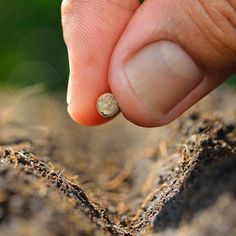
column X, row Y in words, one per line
column 58, row 178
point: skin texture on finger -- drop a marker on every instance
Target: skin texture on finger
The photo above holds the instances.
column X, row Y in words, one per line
column 204, row 30
column 91, row 30
column 207, row 85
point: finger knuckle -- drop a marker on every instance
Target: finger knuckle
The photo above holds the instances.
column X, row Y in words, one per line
column 222, row 15
column 211, row 25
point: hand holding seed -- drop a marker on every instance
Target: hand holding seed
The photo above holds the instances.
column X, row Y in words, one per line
column 158, row 58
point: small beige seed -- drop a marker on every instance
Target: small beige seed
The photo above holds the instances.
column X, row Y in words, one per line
column 107, row 105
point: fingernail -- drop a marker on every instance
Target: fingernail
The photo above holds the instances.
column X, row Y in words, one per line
column 162, row 74
column 68, row 97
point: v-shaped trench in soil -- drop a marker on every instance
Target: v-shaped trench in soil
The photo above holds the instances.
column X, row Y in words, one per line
column 206, row 149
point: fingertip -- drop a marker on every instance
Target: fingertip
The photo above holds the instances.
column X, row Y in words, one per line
column 131, row 106
column 90, row 38
column 86, row 117
column 134, row 109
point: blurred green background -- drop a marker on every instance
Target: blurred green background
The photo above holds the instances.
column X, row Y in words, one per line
column 31, row 44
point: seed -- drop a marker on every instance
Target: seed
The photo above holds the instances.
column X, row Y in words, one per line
column 107, row 105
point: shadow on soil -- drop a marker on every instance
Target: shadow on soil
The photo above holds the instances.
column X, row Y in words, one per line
column 214, row 175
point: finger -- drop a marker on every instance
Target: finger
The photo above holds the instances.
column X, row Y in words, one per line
column 172, row 54
column 91, row 30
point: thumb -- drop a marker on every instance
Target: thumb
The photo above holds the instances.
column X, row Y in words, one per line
column 172, row 54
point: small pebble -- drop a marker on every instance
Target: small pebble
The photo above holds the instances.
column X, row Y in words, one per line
column 107, row 105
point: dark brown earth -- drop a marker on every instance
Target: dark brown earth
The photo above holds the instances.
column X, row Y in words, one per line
column 58, row 178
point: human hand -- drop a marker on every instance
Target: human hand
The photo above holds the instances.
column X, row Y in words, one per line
column 158, row 58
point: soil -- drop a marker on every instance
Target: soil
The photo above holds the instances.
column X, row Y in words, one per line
column 58, row 178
